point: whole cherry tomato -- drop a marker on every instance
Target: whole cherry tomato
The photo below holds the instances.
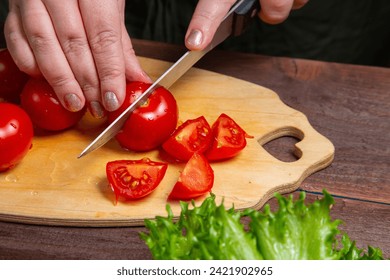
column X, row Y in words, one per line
column 12, row 80
column 229, row 139
column 151, row 123
column 190, row 137
column 196, row 179
column 134, row 179
column 16, row 134
column 45, row 110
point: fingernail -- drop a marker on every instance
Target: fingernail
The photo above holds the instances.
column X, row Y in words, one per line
column 96, row 109
column 73, row 102
column 111, row 102
column 195, row 38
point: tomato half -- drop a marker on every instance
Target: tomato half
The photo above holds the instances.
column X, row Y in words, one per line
column 45, row 110
column 196, row 179
column 134, row 179
column 16, row 134
column 190, row 137
column 12, row 80
column 229, row 139
column 151, row 123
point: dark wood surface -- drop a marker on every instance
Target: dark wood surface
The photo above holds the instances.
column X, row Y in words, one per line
column 348, row 104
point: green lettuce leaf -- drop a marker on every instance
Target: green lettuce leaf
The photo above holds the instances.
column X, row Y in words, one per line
column 295, row 231
column 205, row 232
column 349, row 251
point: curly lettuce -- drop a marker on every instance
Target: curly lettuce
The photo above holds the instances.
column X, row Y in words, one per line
column 296, row 231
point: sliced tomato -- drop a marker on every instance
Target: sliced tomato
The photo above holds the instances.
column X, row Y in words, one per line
column 134, row 179
column 196, row 179
column 190, row 137
column 229, row 139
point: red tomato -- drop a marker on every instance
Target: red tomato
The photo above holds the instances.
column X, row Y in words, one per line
column 45, row 110
column 190, row 137
column 133, row 179
column 196, row 179
column 16, row 134
column 229, row 139
column 150, row 124
column 12, row 80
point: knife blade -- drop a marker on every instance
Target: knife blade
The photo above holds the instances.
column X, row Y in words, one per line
column 232, row 24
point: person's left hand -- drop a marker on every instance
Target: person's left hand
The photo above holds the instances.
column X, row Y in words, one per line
column 81, row 47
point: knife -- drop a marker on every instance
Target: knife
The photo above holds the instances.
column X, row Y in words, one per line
column 233, row 23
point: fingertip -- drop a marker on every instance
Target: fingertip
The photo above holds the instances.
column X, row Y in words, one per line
column 111, row 101
column 96, row 109
column 194, row 39
column 73, row 102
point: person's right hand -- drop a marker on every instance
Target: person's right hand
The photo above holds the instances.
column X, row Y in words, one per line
column 209, row 14
column 81, row 47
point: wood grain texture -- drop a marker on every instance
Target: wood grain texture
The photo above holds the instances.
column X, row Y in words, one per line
column 47, row 242
column 51, row 186
column 359, row 174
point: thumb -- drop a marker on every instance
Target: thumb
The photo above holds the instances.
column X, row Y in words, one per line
column 205, row 21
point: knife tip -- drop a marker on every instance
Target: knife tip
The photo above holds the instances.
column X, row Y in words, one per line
column 83, row 153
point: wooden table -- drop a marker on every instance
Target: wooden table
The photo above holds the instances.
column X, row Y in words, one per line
column 348, row 104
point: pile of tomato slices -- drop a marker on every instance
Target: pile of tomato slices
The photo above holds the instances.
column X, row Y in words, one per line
column 28, row 104
column 194, row 142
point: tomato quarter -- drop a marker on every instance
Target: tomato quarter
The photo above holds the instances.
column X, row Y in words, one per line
column 12, row 80
column 190, row 137
column 41, row 103
column 134, row 179
column 229, row 139
column 151, row 123
column 16, row 134
column 196, row 179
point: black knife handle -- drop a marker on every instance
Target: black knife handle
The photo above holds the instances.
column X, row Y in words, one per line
column 244, row 15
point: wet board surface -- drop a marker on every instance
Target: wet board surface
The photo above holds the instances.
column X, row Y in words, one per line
column 52, row 187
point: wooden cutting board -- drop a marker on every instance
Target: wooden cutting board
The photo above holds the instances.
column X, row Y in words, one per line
column 51, row 186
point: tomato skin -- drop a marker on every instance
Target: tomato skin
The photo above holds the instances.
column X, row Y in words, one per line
column 12, row 80
column 229, row 139
column 45, row 110
column 192, row 136
column 134, row 179
column 16, row 134
column 150, row 124
column 196, row 179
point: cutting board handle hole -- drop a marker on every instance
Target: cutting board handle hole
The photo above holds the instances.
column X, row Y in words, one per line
column 283, row 148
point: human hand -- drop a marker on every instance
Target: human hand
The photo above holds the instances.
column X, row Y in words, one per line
column 209, row 14
column 81, row 47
